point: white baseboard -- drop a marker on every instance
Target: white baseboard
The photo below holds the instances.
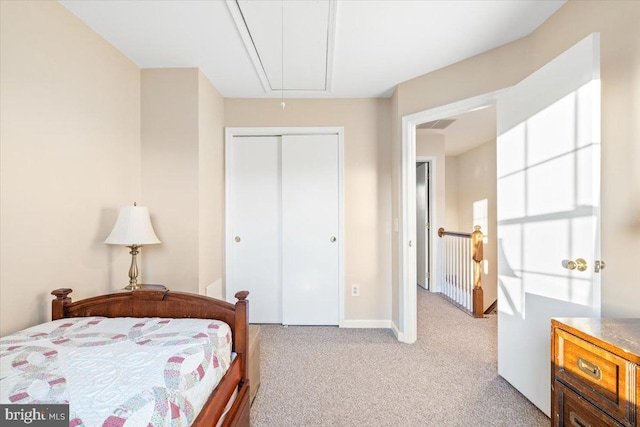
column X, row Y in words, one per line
column 375, row 324
column 214, row 290
column 399, row 335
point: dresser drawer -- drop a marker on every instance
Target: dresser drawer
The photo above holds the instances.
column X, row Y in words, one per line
column 596, row 374
column 572, row 410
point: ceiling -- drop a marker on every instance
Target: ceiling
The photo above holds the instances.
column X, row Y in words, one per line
column 332, row 49
column 468, row 131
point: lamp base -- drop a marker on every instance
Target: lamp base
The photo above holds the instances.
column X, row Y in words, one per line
column 131, row 287
column 133, row 269
column 143, row 286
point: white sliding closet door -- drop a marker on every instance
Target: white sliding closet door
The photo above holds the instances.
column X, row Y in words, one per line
column 254, row 218
column 310, row 230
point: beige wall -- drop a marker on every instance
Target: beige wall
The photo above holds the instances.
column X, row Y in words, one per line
column 70, row 156
column 451, row 194
column 181, row 142
column 366, row 185
column 432, row 145
column 211, row 188
column 617, row 21
column 170, row 175
column 477, row 179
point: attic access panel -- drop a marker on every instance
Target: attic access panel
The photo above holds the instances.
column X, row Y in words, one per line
column 307, row 28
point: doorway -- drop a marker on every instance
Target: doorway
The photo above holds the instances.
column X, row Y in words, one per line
column 408, row 253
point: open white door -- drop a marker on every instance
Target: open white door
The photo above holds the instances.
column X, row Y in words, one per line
column 548, row 164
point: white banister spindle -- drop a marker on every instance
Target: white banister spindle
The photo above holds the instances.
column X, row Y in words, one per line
column 463, row 282
column 456, row 274
column 458, row 271
column 463, row 302
column 469, row 264
column 450, row 273
column 470, row 275
column 443, row 278
column 456, row 247
column 459, row 274
column 465, row 270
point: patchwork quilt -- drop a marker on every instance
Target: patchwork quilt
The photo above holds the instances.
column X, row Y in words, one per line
column 117, row 371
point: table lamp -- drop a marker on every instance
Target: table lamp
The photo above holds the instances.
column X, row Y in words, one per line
column 133, row 229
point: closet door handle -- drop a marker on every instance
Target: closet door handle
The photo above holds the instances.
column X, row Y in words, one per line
column 333, row 239
column 237, row 239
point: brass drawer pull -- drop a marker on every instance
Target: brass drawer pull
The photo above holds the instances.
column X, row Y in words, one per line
column 590, row 369
column 577, row 421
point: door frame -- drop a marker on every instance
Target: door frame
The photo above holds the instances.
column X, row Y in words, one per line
column 408, row 298
column 230, row 133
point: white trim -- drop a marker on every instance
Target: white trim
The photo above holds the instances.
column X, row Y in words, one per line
column 399, row 335
column 363, row 323
column 279, row 130
column 230, row 133
column 408, row 292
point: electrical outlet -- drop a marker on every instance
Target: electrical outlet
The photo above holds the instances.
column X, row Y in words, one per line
column 355, row 290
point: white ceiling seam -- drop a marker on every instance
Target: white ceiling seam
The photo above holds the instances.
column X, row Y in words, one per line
column 331, row 43
column 238, row 19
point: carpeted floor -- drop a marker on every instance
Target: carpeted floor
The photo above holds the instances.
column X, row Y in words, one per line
column 327, row 376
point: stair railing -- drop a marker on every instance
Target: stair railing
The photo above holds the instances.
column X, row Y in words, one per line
column 461, row 267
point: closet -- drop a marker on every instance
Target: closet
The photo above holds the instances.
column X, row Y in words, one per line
column 283, row 226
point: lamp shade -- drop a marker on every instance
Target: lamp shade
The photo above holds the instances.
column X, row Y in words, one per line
column 133, row 227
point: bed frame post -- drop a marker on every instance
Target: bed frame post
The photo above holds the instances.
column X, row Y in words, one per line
column 241, row 338
column 58, row 304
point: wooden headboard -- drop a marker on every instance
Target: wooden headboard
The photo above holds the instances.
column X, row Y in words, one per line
column 161, row 303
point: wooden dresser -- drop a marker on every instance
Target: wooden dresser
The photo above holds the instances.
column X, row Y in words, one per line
column 595, row 372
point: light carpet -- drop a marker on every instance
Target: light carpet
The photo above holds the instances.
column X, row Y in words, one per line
column 327, row 376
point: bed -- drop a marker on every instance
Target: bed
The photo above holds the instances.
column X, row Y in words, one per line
column 200, row 344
